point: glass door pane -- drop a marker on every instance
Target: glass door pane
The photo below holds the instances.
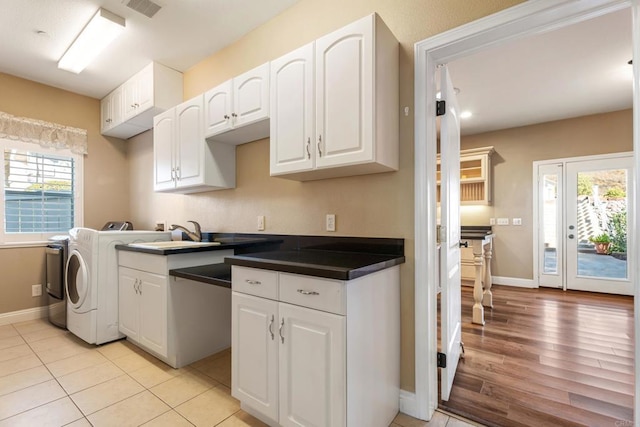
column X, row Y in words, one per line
column 602, row 223
column 550, row 226
column 596, row 228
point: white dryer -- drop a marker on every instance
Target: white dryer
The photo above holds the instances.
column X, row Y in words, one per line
column 91, row 282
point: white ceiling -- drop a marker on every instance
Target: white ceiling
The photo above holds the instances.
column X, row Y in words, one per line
column 181, row 34
column 574, row 71
column 577, row 70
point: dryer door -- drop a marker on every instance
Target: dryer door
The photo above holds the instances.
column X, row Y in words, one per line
column 77, row 280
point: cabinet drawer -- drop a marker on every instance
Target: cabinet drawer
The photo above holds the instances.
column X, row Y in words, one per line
column 253, row 281
column 312, row 292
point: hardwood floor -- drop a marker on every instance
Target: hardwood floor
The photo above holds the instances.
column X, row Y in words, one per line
column 547, row 358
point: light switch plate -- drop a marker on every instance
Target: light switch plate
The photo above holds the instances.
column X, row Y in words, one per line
column 492, row 221
column 503, row 221
column 260, row 222
column 517, row 221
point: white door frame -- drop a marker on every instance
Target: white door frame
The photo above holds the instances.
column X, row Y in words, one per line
column 536, row 210
column 528, row 18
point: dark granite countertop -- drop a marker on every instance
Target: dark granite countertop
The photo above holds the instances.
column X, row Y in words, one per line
column 341, row 265
column 476, row 232
column 342, row 258
column 213, row 274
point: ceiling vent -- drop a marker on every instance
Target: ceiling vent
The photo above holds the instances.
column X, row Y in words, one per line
column 145, row 7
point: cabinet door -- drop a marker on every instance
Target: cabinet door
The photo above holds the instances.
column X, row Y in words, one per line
column 189, row 143
column 254, row 359
column 153, row 312
column 344, row 92
column 129, row 98
column 128, row 302
column 163, row 150
column 312, row 367
column 251, row 96
column 292, row 143
column 106, row 121
column 217, row 109
column 144, row 89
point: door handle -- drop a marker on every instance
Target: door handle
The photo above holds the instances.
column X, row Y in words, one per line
column 271, row 327
column 280, row 330
column 464, row 244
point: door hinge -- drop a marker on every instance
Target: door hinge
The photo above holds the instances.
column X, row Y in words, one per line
column 442, row 360
column 443, row 234
column 440, row 108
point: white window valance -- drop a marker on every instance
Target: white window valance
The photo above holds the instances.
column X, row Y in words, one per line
column 46, row 134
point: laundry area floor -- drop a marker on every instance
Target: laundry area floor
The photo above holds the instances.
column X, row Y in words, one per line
column 49, row 377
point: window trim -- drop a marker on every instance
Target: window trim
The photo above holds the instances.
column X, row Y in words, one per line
column 31, row 239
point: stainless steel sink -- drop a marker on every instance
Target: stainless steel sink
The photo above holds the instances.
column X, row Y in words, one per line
column 175, row 244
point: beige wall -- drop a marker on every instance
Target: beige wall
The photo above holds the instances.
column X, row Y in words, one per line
column 373, row 205
column 516, row 150
column 106, row 183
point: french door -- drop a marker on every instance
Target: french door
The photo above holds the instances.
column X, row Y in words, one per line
column 583, row 210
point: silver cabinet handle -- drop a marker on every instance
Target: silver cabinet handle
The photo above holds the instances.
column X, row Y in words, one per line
column 308, row 146
column 253, row 282
column 135, row 286
column 271, row 327
column 226, row 117
column 234, row 115
column 303, row 292
column 178, row 176
column 280, row 330
column 173, row 174
column 319, row 142
column 571, row 236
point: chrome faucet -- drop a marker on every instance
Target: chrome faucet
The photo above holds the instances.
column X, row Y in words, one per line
column 196, row 235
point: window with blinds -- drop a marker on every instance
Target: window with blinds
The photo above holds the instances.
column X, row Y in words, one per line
column 38, row 192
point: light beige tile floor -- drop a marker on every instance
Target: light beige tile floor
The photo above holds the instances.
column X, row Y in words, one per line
column 49, row 377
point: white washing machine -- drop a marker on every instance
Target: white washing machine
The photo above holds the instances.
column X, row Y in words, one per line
column 91, row 282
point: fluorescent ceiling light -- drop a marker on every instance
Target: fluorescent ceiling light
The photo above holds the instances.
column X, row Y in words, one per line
column 103, row 28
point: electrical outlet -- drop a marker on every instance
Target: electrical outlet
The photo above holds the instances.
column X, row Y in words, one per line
column 331, row 222
column 36, row 290
column 503, row 221
column 492, row 221
column 260, row 222
column 161, row 225
column 517, row 221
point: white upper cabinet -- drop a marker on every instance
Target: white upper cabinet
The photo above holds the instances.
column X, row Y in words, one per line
column 292, row 112
column 129, row 109
column 183, row 161
column 354, row 102
column 237, row 111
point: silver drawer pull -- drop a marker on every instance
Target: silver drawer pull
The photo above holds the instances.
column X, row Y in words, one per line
column 303, row 292
column 253, row 282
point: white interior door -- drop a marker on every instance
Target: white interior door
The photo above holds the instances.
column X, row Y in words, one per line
column 597, row 205
column 450, row 298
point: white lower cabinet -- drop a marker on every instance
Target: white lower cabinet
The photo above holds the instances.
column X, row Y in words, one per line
column 290, row 362
column 143, row 308
column 177, row 320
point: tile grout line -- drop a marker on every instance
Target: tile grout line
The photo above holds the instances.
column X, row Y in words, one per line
column 53, row 376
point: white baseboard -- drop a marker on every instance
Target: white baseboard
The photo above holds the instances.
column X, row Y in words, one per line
column 514, row 281
column 408, row 403
column 23, row 315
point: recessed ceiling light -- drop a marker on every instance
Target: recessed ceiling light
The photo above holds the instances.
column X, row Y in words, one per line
column 466, row 114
